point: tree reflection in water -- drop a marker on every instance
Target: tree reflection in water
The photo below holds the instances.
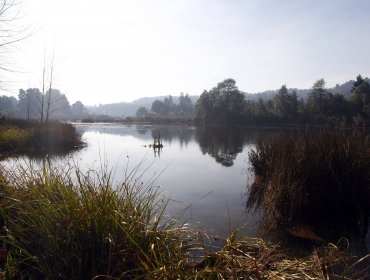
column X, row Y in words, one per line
column 221, row 143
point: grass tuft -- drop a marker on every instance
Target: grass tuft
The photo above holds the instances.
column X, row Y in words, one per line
column 54, row 227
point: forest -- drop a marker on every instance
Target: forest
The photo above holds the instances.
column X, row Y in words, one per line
column 225, row 104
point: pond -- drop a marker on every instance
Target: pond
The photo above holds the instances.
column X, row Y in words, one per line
column 203, row 170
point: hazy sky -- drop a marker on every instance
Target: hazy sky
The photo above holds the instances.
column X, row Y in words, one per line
column 120, row 50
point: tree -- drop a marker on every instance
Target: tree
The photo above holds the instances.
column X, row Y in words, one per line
column 281, row 102
column 360, row 99
column 29, row 104
column 58, row 106
column 8, row 105
column 48, row 105
column 9, row 35
column 160, row 107
column 78, row 109
column 315, row 102
column 185, row 106
column 169, row 104
column 357, row 83
column 141, row 112
column 222, row 104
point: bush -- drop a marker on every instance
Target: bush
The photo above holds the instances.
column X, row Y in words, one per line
column 54, row 137
column 13, row 138
column 23, row 137
column 319, row 179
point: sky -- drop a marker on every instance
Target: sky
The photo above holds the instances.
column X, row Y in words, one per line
column 120, row 50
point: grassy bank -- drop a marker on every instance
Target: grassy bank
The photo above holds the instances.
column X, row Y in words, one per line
column 28, row 137
column 56, row 227
column 316, row 179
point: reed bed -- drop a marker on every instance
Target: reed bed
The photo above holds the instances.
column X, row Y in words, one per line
column 314, row 179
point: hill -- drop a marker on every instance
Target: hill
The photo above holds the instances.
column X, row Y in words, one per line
column 124, row 109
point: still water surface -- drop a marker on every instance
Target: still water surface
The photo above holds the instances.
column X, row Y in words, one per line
column 204, row 171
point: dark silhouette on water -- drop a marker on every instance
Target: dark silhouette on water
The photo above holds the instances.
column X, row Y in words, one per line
column 157, row 145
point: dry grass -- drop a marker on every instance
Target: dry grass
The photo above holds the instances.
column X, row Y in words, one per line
column 316, row 179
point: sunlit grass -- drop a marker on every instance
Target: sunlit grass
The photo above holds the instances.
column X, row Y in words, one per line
column 80, row 230
column 23, row 137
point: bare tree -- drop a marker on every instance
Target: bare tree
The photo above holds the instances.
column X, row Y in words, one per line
column 50, row 89
column 43, row 88
column 10, row 34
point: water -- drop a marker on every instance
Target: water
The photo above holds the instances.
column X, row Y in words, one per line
column 204, row 171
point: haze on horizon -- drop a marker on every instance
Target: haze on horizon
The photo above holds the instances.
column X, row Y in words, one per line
column 115, row 50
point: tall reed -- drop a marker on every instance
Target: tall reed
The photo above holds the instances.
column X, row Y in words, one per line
column 319, row 179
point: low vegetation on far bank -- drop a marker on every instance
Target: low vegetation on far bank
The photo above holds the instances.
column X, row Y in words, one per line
column 56, row 227
column 33, row 138
column 314, row 179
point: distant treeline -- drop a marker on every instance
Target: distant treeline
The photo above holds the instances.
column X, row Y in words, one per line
column 184, row 107
column 223, row 104
column 33, row 105
column 226, row 104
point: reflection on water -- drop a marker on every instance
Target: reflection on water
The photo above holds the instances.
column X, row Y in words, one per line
column 223, row 144
column 203, row 170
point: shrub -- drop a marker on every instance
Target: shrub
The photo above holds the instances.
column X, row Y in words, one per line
column 54, row 137
column 320, row 179
column 28, row 137
column 13, row 138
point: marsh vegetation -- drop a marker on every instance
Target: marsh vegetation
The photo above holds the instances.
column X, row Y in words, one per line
column 315, row 179
column 33, row 138
column 55, row 225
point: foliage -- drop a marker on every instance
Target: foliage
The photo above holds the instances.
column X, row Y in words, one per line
column 18, row 137
column 142, row 112
column 286, row 104
column 13, row 138
column 78, row 109
column 222, row 104
column 322, row 106
column 30, row 104
column 8, row 105
column 167, row 106
column 319, row 179
column 360, row 98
